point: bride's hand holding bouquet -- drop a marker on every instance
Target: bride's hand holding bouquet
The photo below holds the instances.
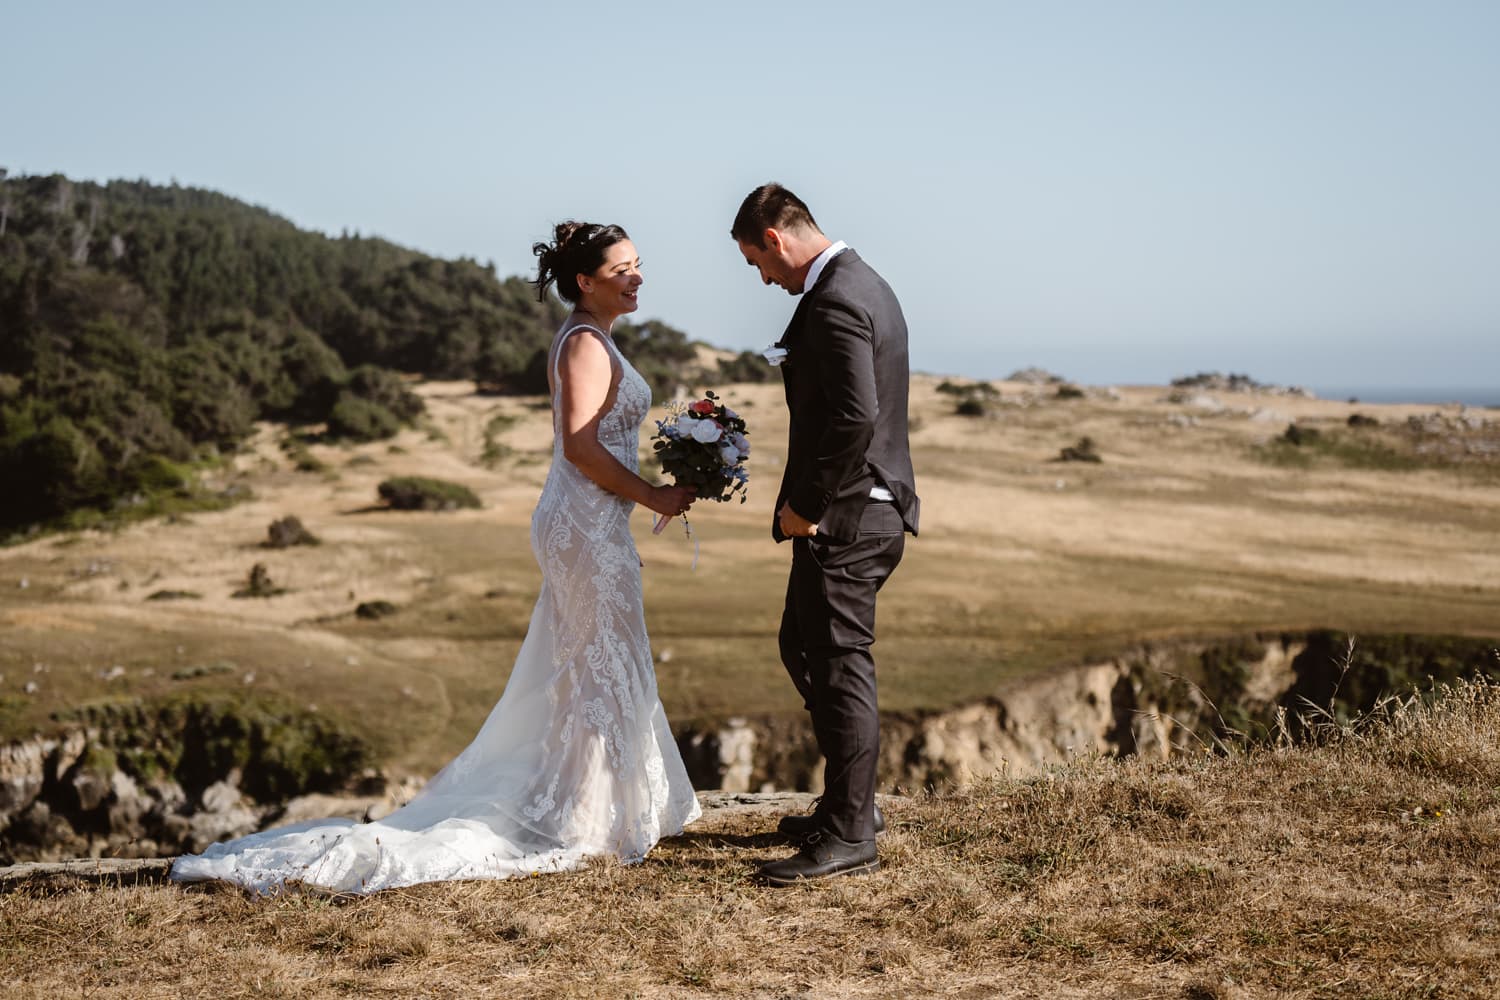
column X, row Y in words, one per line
column 668, row 501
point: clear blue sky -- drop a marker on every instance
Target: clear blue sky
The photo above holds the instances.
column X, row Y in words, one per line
column 1120, row 192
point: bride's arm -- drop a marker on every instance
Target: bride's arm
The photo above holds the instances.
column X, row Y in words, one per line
column 585, row 378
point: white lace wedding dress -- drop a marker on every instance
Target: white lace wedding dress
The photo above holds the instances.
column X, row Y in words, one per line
column 576, row 760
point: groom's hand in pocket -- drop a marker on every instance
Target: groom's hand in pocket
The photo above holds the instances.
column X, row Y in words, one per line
column 793, row 525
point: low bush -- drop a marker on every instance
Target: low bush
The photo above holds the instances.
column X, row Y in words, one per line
column 423, row 493
column 1083, row 451
column 357, row 419
column 286, row 532
column 259, row 584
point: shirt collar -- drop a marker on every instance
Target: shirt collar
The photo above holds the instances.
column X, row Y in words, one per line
column 820, row 262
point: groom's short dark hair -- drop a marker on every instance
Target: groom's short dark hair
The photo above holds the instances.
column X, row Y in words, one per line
column 770, row 206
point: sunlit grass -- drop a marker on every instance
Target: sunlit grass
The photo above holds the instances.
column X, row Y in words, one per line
column 1365, row 857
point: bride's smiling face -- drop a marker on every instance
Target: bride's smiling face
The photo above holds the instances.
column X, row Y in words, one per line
column 612, row 288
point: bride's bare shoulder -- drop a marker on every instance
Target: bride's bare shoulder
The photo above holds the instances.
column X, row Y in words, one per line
column 583, row 364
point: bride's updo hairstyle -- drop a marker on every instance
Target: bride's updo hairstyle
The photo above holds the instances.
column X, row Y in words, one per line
column 576, row 248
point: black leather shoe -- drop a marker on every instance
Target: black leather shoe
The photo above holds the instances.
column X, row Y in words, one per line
column 822, row 856
column 798, row 827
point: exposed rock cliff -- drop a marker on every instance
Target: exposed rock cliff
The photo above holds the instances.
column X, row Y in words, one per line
column 1158, row 699
column 128, row 781
column 1116, row 707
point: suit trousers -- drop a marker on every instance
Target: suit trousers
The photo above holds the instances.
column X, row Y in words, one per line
column 827, row 630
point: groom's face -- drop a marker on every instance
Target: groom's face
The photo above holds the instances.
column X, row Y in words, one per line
column 772, row 263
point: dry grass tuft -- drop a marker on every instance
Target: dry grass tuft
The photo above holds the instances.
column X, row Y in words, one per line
column 1364, row 864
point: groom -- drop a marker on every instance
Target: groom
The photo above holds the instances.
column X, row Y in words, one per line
column 847, row 499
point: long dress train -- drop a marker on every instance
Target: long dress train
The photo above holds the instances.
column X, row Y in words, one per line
column 576, row 759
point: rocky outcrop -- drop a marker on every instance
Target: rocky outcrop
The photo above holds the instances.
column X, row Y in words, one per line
column 69, row 798
column 83, row 810
column 130, row 780
column 1116, row 707
column 1159, row 700
column 130, row 783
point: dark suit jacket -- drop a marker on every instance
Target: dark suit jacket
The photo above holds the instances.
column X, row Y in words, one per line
column 847, row 378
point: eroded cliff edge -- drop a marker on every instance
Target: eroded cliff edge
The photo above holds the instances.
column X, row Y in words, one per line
column 134, row 780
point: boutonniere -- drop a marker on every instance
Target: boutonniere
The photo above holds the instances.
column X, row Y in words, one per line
column 775, row 355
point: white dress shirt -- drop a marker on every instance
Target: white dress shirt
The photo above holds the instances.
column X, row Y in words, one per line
column 821, row 261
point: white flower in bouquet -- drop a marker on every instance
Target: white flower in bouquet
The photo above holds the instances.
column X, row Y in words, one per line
column 707, row 432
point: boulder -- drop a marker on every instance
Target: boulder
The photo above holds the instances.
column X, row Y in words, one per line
column 22, row 773
column 90, row 789
column 224, row 812
column 128, row 805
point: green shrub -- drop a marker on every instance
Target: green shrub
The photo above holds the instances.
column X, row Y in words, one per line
column 59, row 467
column 386, row 389
column 156, row 474
column 357, row 419
column 423, row 493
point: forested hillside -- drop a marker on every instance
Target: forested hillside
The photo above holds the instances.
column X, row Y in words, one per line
column 143, row 329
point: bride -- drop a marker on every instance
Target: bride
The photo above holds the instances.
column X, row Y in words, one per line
column 576, row 759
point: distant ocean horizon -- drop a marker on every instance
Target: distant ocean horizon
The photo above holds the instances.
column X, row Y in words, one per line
column 1468, row 395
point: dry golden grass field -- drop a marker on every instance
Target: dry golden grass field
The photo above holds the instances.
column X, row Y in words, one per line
column 1364, row 865
column 1194, row 524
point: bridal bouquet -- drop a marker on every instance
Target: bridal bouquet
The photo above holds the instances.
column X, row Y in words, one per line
column 702, row 444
